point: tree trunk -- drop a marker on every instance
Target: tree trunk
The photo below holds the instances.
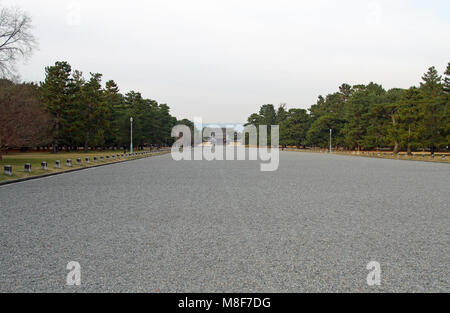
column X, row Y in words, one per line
column 86, row 142
column 55, row 138
column 396, row 147
column 394, row 123
column 409, row 139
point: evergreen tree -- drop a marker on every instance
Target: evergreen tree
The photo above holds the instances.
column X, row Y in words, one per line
column 356, row 115
column 115, row 113
column 281, row 114
column 294, row 127
column 383, row 124
column 93, row 112
column 318, row 134
column 55, row 95
column 432, row 109
column 409, row 118
column 445, row 100
column 73, row 124
column 447, row 79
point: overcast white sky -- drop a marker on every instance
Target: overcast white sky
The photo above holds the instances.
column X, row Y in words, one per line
column 221, row 60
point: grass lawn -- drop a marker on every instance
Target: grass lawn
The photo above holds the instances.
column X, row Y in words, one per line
column 18, row 160
column 417, row 156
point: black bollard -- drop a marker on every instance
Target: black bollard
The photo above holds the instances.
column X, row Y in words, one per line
column 27, row 167
column 8, row 170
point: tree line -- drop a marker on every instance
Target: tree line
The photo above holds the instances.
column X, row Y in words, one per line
column 368, row 117
column 68, row 110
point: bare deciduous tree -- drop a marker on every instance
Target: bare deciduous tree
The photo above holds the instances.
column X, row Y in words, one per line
column 23, row 120
column 16, row 39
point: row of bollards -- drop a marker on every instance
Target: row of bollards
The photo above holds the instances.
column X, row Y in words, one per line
column 44, row 165
column 412, row 155
column 390, row 154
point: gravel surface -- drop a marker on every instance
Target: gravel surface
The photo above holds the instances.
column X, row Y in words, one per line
column 156, row 225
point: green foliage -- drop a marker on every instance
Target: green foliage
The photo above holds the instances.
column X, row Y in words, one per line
column 433, row 111
column 318, row 134
column 358, row 113
column 86, row 114
column 293, row 128
column 408, row 116
column 56, row 96
column 192, row 127
column 447, row 80
column 369, row 117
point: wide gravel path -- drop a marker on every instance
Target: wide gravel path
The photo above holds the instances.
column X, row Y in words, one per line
column 158, row 225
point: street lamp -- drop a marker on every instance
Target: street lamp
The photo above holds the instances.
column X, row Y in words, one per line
column 131, row 144
column 331, row 132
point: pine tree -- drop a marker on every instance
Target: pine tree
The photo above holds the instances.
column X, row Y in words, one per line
column 447, row 80
column 409, row 118
column 116, row 112
column 391, row 105
column 55, row 94
column 281, row 114
column 73, row 124
column 432, row 109
column 91, row 112
column 432, row 82
column 445, row 100
column 357, row 113
column 294, row 128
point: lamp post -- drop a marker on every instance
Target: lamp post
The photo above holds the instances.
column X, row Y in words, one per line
column 131, row 144
column 331, row 132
